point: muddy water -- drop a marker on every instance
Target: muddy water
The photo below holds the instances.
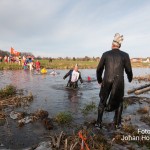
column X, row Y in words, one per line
column 50, row 94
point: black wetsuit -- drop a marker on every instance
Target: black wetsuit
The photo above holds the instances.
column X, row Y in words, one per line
column 112, row 89
column 72, row 84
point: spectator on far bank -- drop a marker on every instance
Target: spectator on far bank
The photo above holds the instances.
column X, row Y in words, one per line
column 1, row 59
column 19, row 60
column 5, row 59
column 50, row 60
column 8, row 59
column 37, row 65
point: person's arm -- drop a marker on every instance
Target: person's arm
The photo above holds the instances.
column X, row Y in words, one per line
column 128, row 68
column 67, row 74
column 80, row 78
column 100, row 69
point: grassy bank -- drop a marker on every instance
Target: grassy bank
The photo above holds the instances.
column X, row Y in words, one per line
column 9, row 66
column 65, row 64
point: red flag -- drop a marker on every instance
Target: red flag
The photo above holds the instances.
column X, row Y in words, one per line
column 14, row 52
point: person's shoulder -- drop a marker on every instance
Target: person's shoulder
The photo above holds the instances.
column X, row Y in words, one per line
column 106, row 53
column 124, row 53
column 71, row 70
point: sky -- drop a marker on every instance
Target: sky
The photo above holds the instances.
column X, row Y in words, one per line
column 74, row 28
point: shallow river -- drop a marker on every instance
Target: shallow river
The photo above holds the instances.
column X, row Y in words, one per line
column 50, row 94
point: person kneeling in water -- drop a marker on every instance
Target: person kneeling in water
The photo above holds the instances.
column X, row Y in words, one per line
column 75, row 75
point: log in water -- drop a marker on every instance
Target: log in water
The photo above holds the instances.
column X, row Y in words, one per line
column 139, row 88
column 137, row 92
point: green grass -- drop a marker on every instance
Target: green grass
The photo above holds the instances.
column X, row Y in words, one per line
column 64, row 64
column 63, row 117
column 88, row 108
column 68, row 64
column 9, row 66
column 7, row 91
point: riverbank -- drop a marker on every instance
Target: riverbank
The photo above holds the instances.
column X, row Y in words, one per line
column 66, row 64
column 9, row 66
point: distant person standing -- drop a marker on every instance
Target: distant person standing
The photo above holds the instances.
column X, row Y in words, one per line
column 25, row 66
column 31, row 65
column 38, row 65
column 5, row 59
column 1, row 59
column 8, row 59
column 19, row 60
column 29, row 59
column 111, row 94
column 23, row 60
column 50, row 60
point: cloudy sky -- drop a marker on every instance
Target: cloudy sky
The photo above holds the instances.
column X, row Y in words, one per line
column 74, row 27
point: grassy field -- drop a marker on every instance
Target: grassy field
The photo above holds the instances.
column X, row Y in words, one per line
column 65, row 64
column 8, row 66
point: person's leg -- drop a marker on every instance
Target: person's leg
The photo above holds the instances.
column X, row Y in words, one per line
column 118, row 114
column 117, row 93
column 68, row 84
column 75, row 85
column 104, row 94
column 100, row 114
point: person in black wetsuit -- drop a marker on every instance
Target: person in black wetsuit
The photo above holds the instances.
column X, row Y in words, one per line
column 111, row 94
column 75, row 75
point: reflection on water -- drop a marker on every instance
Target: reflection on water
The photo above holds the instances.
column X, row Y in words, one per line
column 51, row 95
